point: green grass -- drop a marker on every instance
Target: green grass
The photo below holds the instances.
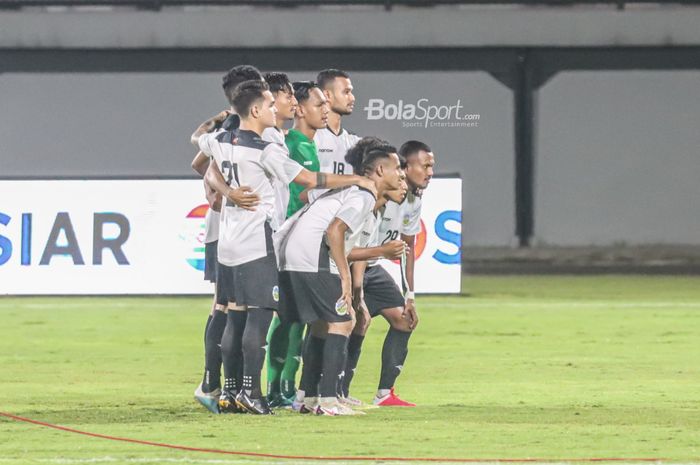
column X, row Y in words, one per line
column 545, row 367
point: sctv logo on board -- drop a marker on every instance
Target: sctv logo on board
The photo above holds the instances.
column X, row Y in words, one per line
column 451, row 237
column 18, row 240
column 443, row 234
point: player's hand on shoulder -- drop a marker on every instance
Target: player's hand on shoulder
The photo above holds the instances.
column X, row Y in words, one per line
column 221, row 117
column 243, row 197
column 367, row 183
column 394, row 249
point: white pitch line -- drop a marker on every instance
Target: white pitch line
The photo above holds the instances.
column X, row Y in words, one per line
column 567, row 303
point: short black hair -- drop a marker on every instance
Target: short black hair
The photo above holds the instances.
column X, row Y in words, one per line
column 278, row 82
column 237, row 75
column 412, row 147
column 372, row 156
column 246, row 94
column 363, row 156
column 302, row 90
column 327, row 76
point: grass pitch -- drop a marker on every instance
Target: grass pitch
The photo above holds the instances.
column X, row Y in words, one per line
column 544, row 367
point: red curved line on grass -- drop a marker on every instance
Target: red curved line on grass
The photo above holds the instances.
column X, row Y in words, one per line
column 304, row 457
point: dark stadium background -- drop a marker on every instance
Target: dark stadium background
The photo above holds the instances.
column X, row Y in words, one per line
column 585, row 157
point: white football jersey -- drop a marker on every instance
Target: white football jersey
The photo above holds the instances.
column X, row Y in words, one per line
column 410, row 214
column 368, row 234
column 396, row 219
column 273, row 135
column 332, row 149
column 213, row 218
column 255, row 163
column 281, row 189
column 301, row 242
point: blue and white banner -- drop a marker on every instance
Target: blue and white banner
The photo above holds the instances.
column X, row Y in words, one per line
column 437, row 247
column 147, row 237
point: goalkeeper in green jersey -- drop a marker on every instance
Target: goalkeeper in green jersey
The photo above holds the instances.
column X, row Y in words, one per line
column 284, row 339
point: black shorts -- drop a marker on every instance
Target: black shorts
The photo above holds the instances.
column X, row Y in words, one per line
column 381, row 290
column 224, row 284
column 312, row 296
column 210, row 261
column 255, row 283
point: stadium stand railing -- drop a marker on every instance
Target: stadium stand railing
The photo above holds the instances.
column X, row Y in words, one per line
column 158, row 4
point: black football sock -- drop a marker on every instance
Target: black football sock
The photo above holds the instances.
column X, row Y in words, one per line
column 312, row 357
column 241, row 319
column 394, row 354
column 231, row 352
column 212, row 351
column 334, row 353
column 206, row 328
column 341, row 376
column 254, row 343
column 354, row 351
column 204, row 378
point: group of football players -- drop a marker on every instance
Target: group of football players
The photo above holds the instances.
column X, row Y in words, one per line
column 299, row 223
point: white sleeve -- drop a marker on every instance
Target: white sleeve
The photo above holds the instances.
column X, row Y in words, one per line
column 314, row 194
column 368, row 236
column 355, row 209
column 276, row 161
column 273, row 135
column 210, row 145
column 374, row 237
column 410, row 217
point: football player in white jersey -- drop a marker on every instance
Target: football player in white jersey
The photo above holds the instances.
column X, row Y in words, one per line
column 245, row 244
column 285, row 102
column 209, row 390
column 283, row 341
column 419, row 169
column 379, row 291
column 315, row 275
column 218, row 327
column 334, row 141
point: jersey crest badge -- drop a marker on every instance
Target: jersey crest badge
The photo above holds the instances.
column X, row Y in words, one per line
column 341, row 308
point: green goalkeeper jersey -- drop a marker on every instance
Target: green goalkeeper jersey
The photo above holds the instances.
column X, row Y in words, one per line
column 303, row 151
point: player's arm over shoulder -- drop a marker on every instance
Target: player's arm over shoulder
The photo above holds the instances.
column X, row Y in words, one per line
column 208, row 126
column 356, row 207
column 275, row 160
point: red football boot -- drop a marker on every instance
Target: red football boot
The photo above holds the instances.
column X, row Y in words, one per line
column 392, row 400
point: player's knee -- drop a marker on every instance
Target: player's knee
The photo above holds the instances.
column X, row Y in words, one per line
column 232, row 307
column 394, row 316
column 218, row 308
column 402, row 326
column 343, row 328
